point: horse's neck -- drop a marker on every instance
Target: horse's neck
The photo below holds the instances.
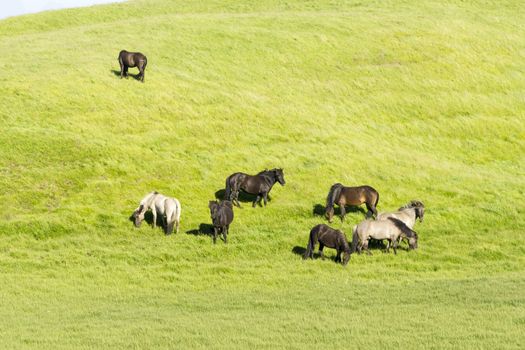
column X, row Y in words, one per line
column 269, row 179
column 148, row 201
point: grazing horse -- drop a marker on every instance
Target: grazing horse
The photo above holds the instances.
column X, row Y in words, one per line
column 390, row 229
column 132, row 59
column 407, row 214
column 221, row 217
column 259, row 184
column 327, row 236
column 343, row 196
column 168, row 208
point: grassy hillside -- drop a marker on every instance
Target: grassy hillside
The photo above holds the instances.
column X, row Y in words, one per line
column 419, row 99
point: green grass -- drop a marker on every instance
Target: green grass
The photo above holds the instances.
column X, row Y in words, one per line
column 419, row 99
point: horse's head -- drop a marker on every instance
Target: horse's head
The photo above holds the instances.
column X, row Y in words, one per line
column 412, row 241
column 138, row 215
column 419, row 207
column 279, row 176
column 213, row 206
column 329, row 213
column 420, row 212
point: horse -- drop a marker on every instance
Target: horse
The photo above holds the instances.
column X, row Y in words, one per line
column 407, row 214
column 327, row 236
column 390, row 229
column 343, row 196
column 168, row 208
column 260, row 185
column 221, row 217
column 132, row 59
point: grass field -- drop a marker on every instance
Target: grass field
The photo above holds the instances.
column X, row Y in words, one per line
column 420, row 99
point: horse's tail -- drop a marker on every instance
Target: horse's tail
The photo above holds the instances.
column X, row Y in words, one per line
column 377, row 198
column 311, row 244
column 355, row 239
column 333, row 194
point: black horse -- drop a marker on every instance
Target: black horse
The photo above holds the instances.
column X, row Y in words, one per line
column 132, row 59
column 259, row 184
column 344, row 196
column 221, row 217
column 327, row 236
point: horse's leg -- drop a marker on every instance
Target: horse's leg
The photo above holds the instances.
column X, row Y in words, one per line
column 225, row 233
column 372, row 211
column 256, row 200
column 321, row 246
column 265, row 197
column 395, row 246
column 365, row 247
column 215, row 234
column 338, row 256
column 154, row 211
column 343, row 212
column 388, row 242
column 177, row 223
column 121, row 67
column 125, row 71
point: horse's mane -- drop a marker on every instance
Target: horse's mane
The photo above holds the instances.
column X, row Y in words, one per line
column 402, row 227
column 412, row 204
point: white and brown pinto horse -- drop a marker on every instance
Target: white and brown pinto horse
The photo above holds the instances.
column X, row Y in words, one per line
column 168, row 208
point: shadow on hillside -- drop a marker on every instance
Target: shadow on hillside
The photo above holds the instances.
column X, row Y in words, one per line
column 301, row 250
column 319, row 210
column 219, row 195
column 134, row 76
column 243, row 197
column 148, row 217
column 204, row 229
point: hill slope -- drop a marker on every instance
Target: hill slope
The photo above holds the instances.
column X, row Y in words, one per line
column 420, row 100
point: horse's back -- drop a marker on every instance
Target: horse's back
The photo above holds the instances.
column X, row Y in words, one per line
column 378, row 229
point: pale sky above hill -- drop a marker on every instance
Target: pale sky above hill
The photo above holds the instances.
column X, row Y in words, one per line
column 10, row 8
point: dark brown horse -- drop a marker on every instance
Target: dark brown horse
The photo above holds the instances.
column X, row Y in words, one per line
column 222, row 217
column 327, row 236
column 132, row 59
column 343, row 196
column 260, row 185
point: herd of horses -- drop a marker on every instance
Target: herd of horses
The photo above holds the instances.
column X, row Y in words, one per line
column 393, row 227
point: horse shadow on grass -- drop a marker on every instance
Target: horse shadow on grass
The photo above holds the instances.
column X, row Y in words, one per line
column 243, row 197
column 297, row 250
column 134, row 76
column 204, row 230
column 320, row 210
column 148, row 217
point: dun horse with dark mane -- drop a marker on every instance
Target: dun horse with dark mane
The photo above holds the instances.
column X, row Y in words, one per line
column 343, row 196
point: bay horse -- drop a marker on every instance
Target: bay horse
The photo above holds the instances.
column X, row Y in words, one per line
column 168, row 208
column 390, row 229
column 343, row 196
column 259, row 185
column 327, row 236
column 132, row 59
column 221, row 217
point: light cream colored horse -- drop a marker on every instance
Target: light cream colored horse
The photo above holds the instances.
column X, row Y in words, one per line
column 390, row 229
column 407, row 214
column 168, row 208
